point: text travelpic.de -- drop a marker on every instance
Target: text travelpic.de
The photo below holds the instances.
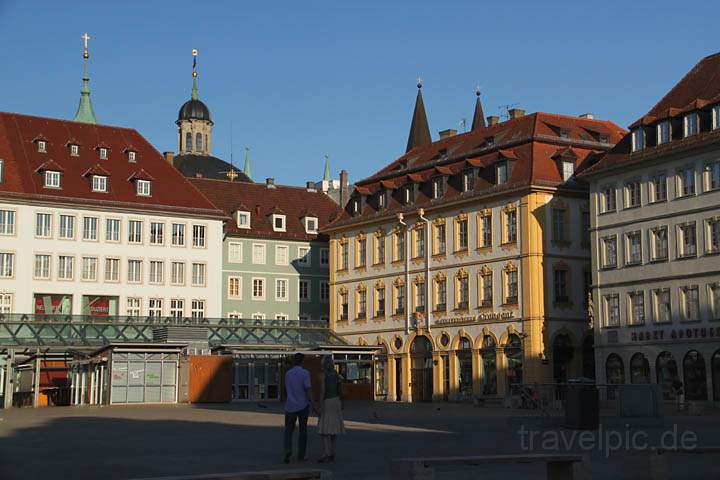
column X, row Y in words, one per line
column 674, row 334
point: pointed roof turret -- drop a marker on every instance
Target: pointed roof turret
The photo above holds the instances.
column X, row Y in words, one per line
column 479, row 115
column 419, row 129
column 85, row 111
column 247, row 169
column 327, row 177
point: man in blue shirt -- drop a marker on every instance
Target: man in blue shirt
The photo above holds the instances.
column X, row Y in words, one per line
column 297, row 406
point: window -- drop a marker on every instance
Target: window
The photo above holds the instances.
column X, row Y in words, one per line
column 716, row 116
column 188, row 141
column 143, row 187
column 612, row 310
column 43, row 225
column 112, row 269
column 355, row 205
column 134, row 271
column 634, row 248
column 560, row 286
column 7, row 222
column 235, row 252
column 258, row 316
column 690, row 123
column 712, row 176
column 135, row 234
column 324, row 291
column 632, row 194
column 361, row 252
column 112, row 230
column 468, row 181
column 399, row 299
column 686, row 182
column 381, row 199
column 585, row 228
column 65, row 267
column 132, row 157
column 439, row 245
column 278, row 222
column 258, row 289
column 638, row 139
column 42, row 146
column 198, row 239
column 714, row 297
column 74, row 150
column 419, row 245
column 462, row 285
column 511, row 287
column 99, row 183
column 343, row 302
column 380, row 301
column 90, row 228
column 690, row 303
column 438, row 187
column 7, row 263
column 419, row 296
column 502, row 173
column 178, row 234
column 659, row 247
column 462, row 234
column 687, row 241
column 281, row 316
column 52, row 179
column 89, row 269
column 658, row 188
column 177, row 273
column 157, row 274
column 486, row 231
column 311, row 225
column 440, row 294
column 343, row 254
column 133, row 307
column 157, row 233
column 155, row 307
column 361, row 304
column 486, row 288
column 663, row 132
column 379, row 257
column 198, row 142
column 281, row 289
column 304, row 290
column 197, row 309
column 243, row 219
column 399, row 241
column 258, row 253
column 408, row 194
column 103, row 153
column 324, row 256
column 42, row 267
column 636, row 301
column 510, row 226
column 303, row 256
column 568, row 170
column 281, row 254
column 608, row 199
column 177, row 308
column 66, row 227
column 559, row 225
column 661, row 305
column 712, row 241
column 198, row 274
column 609, row 250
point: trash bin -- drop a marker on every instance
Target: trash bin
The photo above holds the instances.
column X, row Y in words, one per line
column 582, row 406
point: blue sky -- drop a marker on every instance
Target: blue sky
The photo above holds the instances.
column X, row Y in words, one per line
column 295, row 80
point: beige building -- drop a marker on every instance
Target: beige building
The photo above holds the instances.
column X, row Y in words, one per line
column 467, row 260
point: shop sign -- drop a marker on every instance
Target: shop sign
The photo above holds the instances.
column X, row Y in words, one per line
column 676, row 334
column 480, row 317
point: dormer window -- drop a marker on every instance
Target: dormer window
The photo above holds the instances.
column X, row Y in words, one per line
column 502, row 173
column 52, row 179
column 278, row 222
column 42, row 146
column 132, row 156
column 568, row 169
column 604, row 139
column 638, row 140
column 564, row 134
column 716, row 117
column 355, row 206
column 311, row 224
column 143, row 187
column 381, row 200
column 74, row 150
column 243, row 219
column 408, row 194
column 663, row 132
column 103, row 153
column 490, row 142
column 691, row 124
column 99, row 183
column 468, row 181
column 438, row 187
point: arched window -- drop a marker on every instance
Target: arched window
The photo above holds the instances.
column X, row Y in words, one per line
column 513, row 354
column 188, row 141
column 639, row 369
column 464, row 356
column 667, row 374
column 694, row 373
column 198, row 142
column 489, row 359
column 614, row 373
column 588, row 354
column 421, row 346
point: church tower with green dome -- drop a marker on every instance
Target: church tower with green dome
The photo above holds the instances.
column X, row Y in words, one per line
column 85, row 111
column 194, row 122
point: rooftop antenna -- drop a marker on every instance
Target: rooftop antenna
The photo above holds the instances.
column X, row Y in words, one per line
column 231, row 144
column 507, row 108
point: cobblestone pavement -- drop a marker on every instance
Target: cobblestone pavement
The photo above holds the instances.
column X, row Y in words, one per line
column 146, row 441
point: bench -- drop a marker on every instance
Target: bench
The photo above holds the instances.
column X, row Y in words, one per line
column 558, row 467
column 264, row 475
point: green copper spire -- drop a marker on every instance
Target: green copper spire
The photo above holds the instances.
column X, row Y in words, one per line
column 247, row 170
column 85, row 111
column 327, row 177
column 194, row 95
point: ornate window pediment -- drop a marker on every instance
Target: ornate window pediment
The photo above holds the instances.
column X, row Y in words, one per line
column 399, row 282
column 485, row 270
column 509, row 207
column 440, row 276
column 510, row 267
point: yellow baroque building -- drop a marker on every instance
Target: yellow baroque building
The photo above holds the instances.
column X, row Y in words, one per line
column 467, row 260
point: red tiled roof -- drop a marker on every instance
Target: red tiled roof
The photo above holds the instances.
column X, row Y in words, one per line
column 96, row 169
column 294, row 202
column 171, row 191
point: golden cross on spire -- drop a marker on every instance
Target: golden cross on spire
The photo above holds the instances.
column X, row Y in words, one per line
column 85, row 38
column 232, row 174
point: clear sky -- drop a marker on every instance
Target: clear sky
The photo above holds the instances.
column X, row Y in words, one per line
column 298, row 79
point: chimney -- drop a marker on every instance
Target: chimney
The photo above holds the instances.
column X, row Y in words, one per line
column 270, row 182
column 588, row 116
column 450, row 132
column 257, row 209
column 493, row 120
column 344, row 188
column 516, row 113
column 310, row 187
column 169, row 157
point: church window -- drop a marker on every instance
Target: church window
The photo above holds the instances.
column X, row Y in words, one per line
column 188, row 141
column 198, row 142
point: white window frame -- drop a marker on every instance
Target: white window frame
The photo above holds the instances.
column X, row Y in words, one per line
column 7, row 264
column 230, row 294
column 156, row 272
column 638, row 139
column 240, row 214
column 132, row 156
column 311, row 225
column 235, row 256
column 66, row 274
column 7, row 222
column 107, row 274
column 63, row 230
column 199, row 236
column 660, row 140
column 156, row 307
column 91, row 234
column 42, row 270
column 6, row 303
column 42, row 146
column 155, row 238
column 259, row 247
column 686, row 124
column 179, row 239
column 283, row 220
column 103, row 153
column 304, row 259
column 137, row 273
column 196, row 269
column 716, row 117
column 262, row 282
column 197, row 308
column 175, row 277
column 89, row 274
column 568, row 169
column 278, row 256
column 133, row 306
column 99, row 183
column 132, row 234
column 286, row 297
column 113, row 235
column 52, row 179
column 660, row 178
column 143, row 188
column 177, row 307
column 74, row 150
